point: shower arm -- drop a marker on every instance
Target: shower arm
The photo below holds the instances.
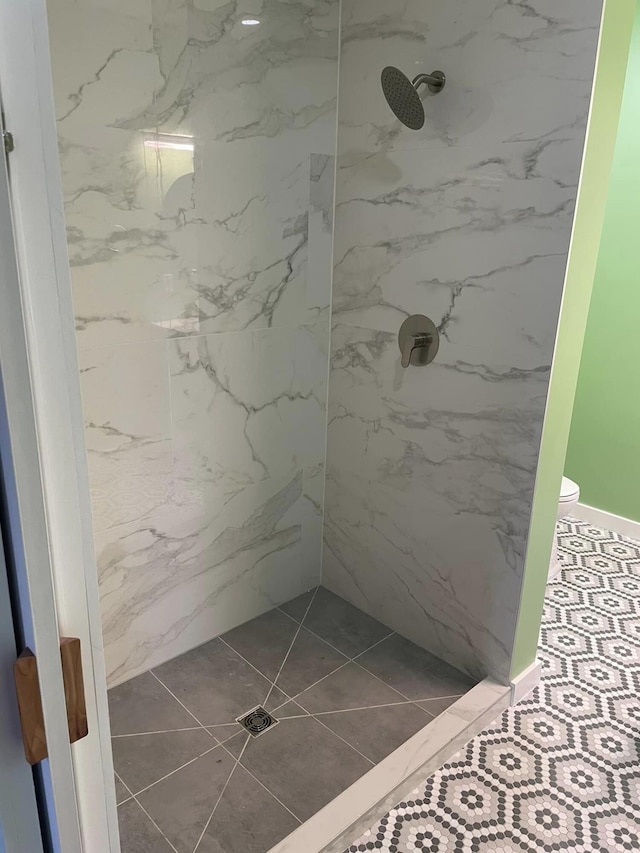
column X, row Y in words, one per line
column 435, row 81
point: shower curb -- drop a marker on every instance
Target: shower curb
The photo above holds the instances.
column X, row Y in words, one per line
column 345, row 818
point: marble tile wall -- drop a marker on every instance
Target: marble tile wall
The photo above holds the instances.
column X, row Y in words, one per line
column 430, row 471
column 197, row 155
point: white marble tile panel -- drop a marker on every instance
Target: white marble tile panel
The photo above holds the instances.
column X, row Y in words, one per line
column 429, row 482
column 248, row 406
column 430, row 472
column 498, row 57
column 130, row 251
column 231, row 81
column 125, row 397
column 250, row 232
column 196, row 567
column 476, row 238
column 100, row 32
column 197, row 165
column 147, row 261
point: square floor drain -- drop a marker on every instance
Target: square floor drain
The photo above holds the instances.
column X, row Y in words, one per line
column 257, row 722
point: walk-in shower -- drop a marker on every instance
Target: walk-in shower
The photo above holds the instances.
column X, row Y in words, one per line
column 289, row 525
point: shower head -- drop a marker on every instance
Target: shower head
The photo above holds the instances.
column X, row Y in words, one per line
column 402, row 94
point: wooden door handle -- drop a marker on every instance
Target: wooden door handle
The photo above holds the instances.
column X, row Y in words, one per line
column 25, row 673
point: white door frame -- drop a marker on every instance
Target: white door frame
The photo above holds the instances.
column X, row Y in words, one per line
column 46, row 431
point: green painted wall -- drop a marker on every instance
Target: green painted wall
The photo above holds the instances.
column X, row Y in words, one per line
column 603, row 456
column 601, row 137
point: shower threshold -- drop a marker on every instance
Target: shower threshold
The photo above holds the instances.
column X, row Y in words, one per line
column 362, row 715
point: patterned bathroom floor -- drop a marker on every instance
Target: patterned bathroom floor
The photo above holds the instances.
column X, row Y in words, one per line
column 561, row 770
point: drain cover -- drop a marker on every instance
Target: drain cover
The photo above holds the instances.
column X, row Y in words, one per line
column 256, row 722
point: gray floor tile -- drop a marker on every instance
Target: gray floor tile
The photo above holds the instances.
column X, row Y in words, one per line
column 349, row 687
column 182, row 803
column 121, row 792
column 297, row 607
column 141, row 760
column 376, row 732
column 264, row 641
column 143, row 705
column 342, row 625
column 437, row 706
column 137, row 833
column 247, row 820
column 303, row 764
column 412, row 671
column 310, row 659
column 215, row 683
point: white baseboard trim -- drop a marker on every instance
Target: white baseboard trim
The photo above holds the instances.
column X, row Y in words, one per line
column 608, row 520
column 524, row 683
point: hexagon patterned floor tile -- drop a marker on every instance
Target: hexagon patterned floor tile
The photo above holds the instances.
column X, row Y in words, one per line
column 561, row 771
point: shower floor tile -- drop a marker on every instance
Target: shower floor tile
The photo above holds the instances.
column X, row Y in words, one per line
column 346, row 692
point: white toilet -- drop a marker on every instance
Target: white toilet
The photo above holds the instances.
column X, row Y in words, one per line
column 569, row 497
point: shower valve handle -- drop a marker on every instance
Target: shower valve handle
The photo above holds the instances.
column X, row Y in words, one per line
column 417, row 340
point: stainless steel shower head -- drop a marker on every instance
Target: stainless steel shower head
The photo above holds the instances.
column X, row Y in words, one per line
column 402, row 94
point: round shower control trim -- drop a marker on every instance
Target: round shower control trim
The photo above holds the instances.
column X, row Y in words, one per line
column 419, row 341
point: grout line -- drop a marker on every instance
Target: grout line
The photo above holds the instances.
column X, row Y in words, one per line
column 335, row 648
column 140, row 806
column 226, row 785
column 295, row 637
column 348, row 660
column 388, row 686
column 355, row 749
column 292, row 618
column 303, row 712
column 279, row 607
column 288, row 615
column 294, row 717
column 235, row 734
column 377, row 643
column 126, row 787
column 182, row 766
column 297, row 695
column 156, row 825
column 202, row 726
column 159, row 732
column 437, row 698
column 262, row 785
column 367, row 708
column 253, row 666
column 428, row 714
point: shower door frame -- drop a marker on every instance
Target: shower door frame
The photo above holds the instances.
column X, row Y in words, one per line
column 46, row 434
